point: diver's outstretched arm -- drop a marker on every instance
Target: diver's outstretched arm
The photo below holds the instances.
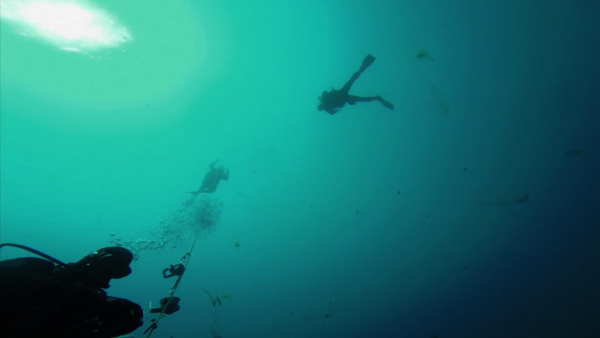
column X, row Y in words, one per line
column 212, row 164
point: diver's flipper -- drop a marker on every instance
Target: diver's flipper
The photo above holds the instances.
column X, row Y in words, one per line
column 387, row 104
column 369, row 59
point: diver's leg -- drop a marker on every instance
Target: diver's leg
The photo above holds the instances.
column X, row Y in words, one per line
column 352, row 99
column 369, row 59
column 346, row 88
column 387, row 104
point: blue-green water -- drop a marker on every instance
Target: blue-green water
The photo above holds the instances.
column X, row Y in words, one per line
column 367, row 223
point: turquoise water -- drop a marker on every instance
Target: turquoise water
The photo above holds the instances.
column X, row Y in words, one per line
column 367, row 223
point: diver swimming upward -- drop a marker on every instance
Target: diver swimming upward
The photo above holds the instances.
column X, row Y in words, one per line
column 334, row 100
column 211, row 179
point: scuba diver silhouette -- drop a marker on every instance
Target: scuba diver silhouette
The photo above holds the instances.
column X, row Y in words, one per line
column 211, row 179
column 334, row 100
column 44, row 297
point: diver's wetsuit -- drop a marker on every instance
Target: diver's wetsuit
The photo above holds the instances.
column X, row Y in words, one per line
column 41, row 299
column 212, row 178
column 334, row 100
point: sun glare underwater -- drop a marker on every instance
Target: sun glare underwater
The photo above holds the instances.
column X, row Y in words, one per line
column 75, row 26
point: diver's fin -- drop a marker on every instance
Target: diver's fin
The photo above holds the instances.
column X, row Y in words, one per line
column 369, row 59
column 387, row 104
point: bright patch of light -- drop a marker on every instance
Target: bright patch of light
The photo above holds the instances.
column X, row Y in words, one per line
column 75, row 26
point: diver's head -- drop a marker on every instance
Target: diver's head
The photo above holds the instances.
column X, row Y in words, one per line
column 97, row 269
column 322, row 99
column 105, row 264
column 113, row 262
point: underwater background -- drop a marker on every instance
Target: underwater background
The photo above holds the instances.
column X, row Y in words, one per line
column 471, row 210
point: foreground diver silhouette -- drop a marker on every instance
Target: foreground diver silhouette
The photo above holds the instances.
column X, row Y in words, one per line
column 212, row 178
column 48, row 298
column 334, row 100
